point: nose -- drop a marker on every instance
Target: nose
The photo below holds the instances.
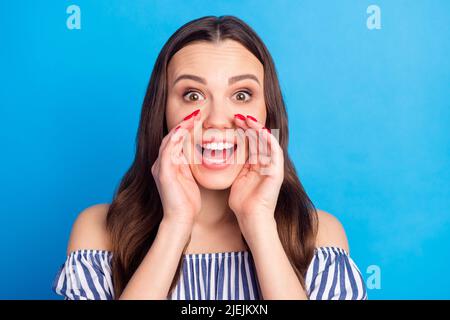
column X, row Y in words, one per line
column 217, row 116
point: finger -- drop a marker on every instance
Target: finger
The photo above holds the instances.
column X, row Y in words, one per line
column 174, row 143
column 255, row 124
column 186, row 123
column 257, row 144
column 182, row 133
column 252, row 122
column 264, row 149
column 173, row 139
column 266, row 162
column 185, row 170
column 241, row 121
column 175, row 133
column 178, row 148
column 242, row 126
column 183, row 136
column 276, row 152
column 275, row 155
column 245, row 169
column 175, row 146
column 252, row 136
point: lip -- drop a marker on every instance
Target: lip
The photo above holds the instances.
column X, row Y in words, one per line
column 233, row 141
column 205, row 162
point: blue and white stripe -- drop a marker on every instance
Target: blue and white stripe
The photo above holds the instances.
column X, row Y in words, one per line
column 217, row 276
column 86, row 275
column 332, row 274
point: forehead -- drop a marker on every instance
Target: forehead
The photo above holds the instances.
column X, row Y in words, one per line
column 210, row 59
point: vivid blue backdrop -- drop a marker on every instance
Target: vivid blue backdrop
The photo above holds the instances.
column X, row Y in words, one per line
column 369, row 112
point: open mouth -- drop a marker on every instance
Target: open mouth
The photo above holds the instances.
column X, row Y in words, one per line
column 216, row 153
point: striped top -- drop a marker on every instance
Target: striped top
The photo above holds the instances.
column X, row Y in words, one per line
column 332, row 274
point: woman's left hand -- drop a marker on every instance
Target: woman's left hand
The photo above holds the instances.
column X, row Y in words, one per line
column 254, row 193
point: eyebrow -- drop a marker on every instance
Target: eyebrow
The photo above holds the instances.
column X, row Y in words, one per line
column 230, row 80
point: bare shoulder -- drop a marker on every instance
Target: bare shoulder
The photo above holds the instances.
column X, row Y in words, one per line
column 330, row 233
column 89, row 230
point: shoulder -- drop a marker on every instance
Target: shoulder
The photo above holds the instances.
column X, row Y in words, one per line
column 330, row 232
column 89, row 230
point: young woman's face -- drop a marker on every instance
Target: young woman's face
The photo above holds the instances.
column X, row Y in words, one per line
column 213, row 85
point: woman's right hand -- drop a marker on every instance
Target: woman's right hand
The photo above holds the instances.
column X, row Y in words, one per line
column 179, row 192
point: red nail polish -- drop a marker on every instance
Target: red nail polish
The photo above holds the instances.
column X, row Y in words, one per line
column 251, row 118
column 177, row 128
column 239, row 116
column 193, row 114
column 267, row 129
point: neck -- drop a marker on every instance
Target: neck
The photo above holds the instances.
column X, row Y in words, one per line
column 215, row 211
column 216, row 228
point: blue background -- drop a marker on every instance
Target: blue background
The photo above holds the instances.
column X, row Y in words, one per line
column 369, row 115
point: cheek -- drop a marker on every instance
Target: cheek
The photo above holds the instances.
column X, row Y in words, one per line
column 263, row 114
column 258, row 111
column 172, row 114
column 257, row 108
column 262, row 111
column 176, row 110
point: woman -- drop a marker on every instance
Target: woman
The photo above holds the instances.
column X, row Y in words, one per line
column 179, row 228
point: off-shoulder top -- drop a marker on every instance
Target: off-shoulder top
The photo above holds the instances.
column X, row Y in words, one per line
column 332, row 274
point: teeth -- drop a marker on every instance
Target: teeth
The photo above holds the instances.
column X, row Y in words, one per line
column 218, row 146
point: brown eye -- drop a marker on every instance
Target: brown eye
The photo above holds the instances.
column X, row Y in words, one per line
column 240, row 96
column 193, row 96
column 243, row 96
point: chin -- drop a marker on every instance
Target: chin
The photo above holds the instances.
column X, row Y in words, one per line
column 215, row 179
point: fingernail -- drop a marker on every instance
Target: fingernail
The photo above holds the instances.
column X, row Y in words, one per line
column 193, row 114
column 177, row 128
column 251, row 118
column 267, row 129
column 239, row 116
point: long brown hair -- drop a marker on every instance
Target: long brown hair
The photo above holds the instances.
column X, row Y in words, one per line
column 136, row 210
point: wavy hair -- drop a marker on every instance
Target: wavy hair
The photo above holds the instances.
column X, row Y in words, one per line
column 136, row 210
